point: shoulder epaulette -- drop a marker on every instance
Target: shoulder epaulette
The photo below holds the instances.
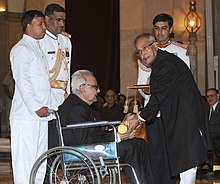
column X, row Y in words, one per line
column 184, row 46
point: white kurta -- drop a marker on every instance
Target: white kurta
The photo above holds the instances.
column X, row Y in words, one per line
column 29, row 132
column 50, row 44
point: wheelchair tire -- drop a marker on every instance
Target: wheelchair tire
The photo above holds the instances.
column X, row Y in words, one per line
column 65, row 165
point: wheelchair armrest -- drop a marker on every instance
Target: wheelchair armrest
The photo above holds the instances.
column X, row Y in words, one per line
column 92, row 124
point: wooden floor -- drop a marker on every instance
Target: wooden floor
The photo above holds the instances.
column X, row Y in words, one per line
column 6, row 178
column 203, row 176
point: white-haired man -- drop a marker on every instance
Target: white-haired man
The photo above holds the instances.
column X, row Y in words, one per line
column 76, row 108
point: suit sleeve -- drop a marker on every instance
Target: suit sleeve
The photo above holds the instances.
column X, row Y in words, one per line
column 69, row 65
column 163, row 79
column 143, row 78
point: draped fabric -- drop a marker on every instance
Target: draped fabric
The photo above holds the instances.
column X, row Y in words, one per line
column 94, row 26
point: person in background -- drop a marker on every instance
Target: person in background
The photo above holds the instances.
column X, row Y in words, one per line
column 9, row 87
column 32, row 99
column 97, row 106
column 57, row 49
column 212, row 95
column 77, row 108
column 121, row 98
column 131, row 105
column 186, row 133
column 111, row 111
column 162, row 28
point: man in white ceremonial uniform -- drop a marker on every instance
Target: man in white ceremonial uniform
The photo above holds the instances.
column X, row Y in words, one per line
column 163, row 27
column 32, row 99
column 57, row 49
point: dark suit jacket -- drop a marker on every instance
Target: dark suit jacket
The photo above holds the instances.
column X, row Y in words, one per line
column 215, row 128
column 175, row 94
column 133, row 151
column 73, row 111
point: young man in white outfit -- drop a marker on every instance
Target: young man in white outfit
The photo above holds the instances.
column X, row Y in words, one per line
column 32, row 99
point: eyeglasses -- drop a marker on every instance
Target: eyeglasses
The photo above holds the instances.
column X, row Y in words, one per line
column 143, row 49
column 92, row 86
column 211, row 96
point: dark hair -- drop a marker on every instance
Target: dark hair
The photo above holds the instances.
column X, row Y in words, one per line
column 163, row 17
column 51, row 8
column 121, row 95
column 213, row 89
column 28, row 17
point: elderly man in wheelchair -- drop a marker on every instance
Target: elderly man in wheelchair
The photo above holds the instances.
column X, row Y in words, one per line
column 76, row 108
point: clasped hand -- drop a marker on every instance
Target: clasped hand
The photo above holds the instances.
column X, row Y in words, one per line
column 132, row 119
column 43, row 112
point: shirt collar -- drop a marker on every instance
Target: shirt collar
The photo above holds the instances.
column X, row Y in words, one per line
column 51, row 35
column 30, row 39
column 214, row 106
column 164, row 44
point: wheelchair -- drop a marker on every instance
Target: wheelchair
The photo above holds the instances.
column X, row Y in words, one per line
column 84, row 164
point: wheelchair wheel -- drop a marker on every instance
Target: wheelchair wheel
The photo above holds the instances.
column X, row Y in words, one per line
column 65, row 165
column 112, row 175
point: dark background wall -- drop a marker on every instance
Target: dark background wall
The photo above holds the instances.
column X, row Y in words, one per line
column 94, row 26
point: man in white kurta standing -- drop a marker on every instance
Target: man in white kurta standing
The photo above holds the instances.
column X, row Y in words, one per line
column 162, row 28
column 32, row 98
column 57, row 49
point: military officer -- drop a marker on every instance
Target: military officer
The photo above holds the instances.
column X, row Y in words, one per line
column 57, row 49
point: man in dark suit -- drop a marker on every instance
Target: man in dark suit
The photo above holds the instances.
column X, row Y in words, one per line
column 76, row 108
column 175, row 94
column 212, row 97
column 111, row 110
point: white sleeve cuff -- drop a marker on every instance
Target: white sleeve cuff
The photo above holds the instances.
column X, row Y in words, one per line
column 118, row 138
column 140, row 118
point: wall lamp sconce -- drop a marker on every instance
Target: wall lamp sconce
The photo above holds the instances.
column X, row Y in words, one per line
column 2, row 5
column 192, row 24
column 192, row 20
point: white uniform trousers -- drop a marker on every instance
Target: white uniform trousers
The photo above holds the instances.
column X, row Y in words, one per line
column 29, row 139
column 188, row 176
